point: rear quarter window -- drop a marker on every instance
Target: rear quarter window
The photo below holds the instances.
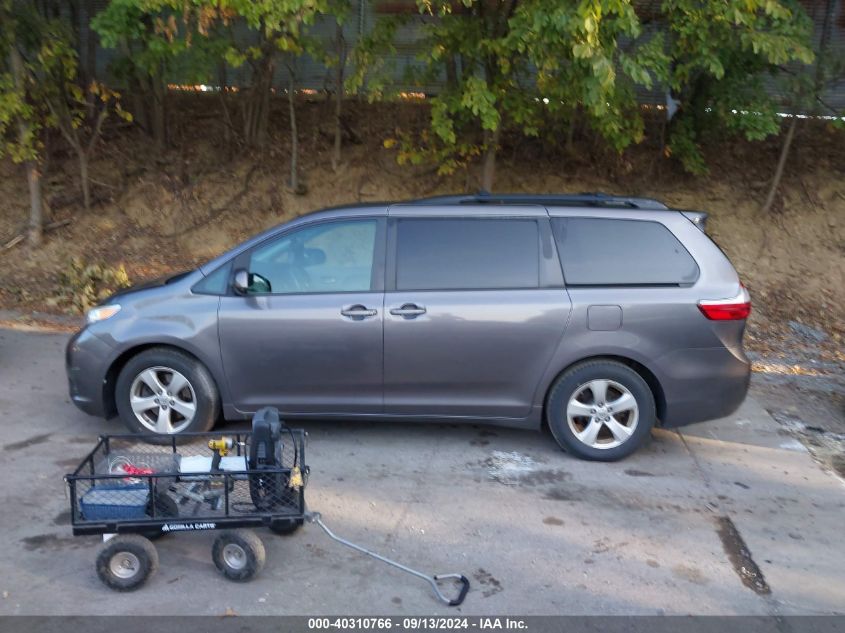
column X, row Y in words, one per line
column 611, row 252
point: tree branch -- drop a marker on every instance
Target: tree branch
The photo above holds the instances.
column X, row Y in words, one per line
column 98, row 126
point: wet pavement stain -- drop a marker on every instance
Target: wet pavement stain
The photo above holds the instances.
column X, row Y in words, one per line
column 67, row 464
column 316, row 550
column 32, row 441
column 690, row 573
column 544, row 477
column 740, row 556
column 633, row 472
column 486, row 579
column 62, row 518
column 81, row 439
column 50, row 543
column 561, row 494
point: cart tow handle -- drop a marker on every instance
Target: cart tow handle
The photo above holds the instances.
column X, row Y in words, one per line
column 315, row 517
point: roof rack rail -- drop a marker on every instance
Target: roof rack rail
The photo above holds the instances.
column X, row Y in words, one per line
column 587, row 199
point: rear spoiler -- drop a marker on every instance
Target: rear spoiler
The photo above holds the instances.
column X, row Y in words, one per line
column 699, row 218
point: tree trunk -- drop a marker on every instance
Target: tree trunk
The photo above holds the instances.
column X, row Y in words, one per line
column 159, row 123
column 821, row 54
column 338, row 106
column 139, row 92
column 257, row 108
column 33, row 175
column 699, row 100
column 451, row 72
column 222, row 86
column 784, row 153
column 83, row 176
column 294, row 139
column 570, row 132
column 488, row 171
column 36, row 213
column 818, row 86
column 91, row 47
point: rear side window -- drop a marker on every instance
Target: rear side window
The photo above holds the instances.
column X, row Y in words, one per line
column 610, row 252
column 467, row 254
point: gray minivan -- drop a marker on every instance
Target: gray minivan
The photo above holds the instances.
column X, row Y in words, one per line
column 600, row 316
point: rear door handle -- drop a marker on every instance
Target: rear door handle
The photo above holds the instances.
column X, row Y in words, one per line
column 358, row 311
column 408, row 310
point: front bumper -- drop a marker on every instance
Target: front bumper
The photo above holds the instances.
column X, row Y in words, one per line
column 703, row 384
column 86, row 363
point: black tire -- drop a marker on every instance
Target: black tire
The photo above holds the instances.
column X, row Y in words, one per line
column 125, row 562
column 238, row 554
column 206, row 396
column 575, row 379
column 286, row 527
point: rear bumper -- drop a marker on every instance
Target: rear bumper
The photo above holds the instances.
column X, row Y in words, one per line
column 86, row 363
column 703, row 384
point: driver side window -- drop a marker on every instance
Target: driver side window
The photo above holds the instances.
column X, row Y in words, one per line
column 325, row 258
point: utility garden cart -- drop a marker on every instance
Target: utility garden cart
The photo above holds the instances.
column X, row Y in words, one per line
column 133, row 491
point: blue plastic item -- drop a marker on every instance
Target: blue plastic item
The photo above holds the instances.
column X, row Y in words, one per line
column 115, row 502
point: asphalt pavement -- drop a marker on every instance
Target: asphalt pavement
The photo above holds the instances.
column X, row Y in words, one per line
column 725, row 517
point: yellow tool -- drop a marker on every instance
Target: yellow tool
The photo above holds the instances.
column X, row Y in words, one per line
column 221, row 448
column 295, row 478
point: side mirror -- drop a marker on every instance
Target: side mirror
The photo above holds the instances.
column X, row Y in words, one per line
column 240, row 282
column 245, row 283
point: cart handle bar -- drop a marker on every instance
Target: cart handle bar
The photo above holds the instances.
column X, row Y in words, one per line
column 315, row 517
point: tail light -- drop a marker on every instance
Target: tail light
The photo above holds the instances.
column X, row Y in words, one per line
column 733, row 309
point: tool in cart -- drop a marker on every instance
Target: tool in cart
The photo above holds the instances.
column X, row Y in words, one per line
column 210, row 489
column 266, row 449
column 221, row 449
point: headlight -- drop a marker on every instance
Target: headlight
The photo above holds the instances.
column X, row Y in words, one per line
column 102, row 313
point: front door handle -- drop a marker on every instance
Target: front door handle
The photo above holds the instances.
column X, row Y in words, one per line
column 408, row 310
column 358, row 311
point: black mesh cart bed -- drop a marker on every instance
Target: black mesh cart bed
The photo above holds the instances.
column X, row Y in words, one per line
column 138, row 491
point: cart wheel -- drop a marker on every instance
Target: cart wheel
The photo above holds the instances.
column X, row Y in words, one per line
column 238, row 554
column 284, row 527
column 125, row 562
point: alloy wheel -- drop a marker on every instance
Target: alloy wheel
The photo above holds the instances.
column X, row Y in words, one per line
column 163, row 400
column 602, row 414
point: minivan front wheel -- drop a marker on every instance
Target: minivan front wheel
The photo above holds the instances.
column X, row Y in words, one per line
column 163, row 391
column 600, row 410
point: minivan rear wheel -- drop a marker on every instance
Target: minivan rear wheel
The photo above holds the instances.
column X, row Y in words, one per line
column 600, row 410
column 162, row 392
